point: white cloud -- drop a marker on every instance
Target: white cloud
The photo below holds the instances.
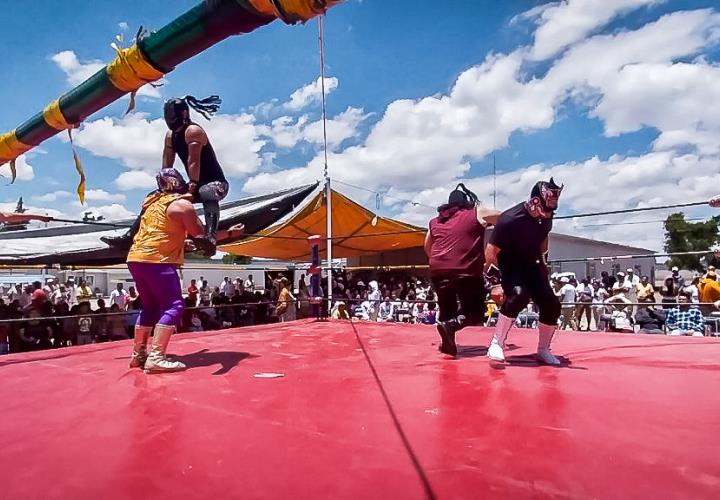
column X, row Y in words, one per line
column 657, row 178
column 77, row 71
column 287, row 132
column 102, row 195
column 628, row 80
column 23, row 169
column 310, row 94
column 113, row 211
column 236, row 143
column 133, row 140
column 51, row 197
column 137, row 143
column 561, row 24
column 681, row 100
column 135, row 179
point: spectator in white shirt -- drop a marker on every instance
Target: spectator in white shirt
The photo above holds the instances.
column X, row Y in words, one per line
column 119, row 297
column 250, row 284
column 387, row 311
column 227, row 287
column 50, row 287
column 584, row 295
column 59, row 296
column 631, row 282
column 600, row 295
column 567, row 297
column 15, row 293
column 374, row 298
column 693, row 290
column 72, row 292
column 621, row 284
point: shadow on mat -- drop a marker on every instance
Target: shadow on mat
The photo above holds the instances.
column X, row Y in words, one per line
column 476, row 351
column 530, row 361
column 226, row 359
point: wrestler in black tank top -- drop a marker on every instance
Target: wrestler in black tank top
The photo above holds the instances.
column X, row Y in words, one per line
column 210, row 170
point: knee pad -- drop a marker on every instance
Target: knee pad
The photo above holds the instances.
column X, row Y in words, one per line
column 178, row 306
column 516, row 298
column 550, row 311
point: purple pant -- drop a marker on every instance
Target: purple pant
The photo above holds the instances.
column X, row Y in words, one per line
column 160, row 292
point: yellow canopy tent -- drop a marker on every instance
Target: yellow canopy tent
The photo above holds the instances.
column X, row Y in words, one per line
column 356, row 231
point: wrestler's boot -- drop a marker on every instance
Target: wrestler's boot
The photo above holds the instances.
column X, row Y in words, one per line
column 545, row 336
column 447, row 330
column 208, row 244
column 495, row 351
column 157, row 362
column 123, row 241
column 139, row 354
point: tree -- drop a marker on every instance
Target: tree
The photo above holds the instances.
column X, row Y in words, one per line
column 242, row 260
column 685, row 236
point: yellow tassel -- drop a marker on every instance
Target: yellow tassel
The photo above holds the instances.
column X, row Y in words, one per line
column 294, row 11
column 79, row 168
column 54, row 117
column 129, row 71
column 13, row 171
column 10, row 149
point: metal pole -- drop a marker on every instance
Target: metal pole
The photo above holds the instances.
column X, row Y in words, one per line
column 328, row 194
column 328, row 189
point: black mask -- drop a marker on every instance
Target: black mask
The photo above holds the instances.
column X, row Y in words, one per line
column 175, row 112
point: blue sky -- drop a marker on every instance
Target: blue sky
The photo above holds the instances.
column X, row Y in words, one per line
column 617, row 98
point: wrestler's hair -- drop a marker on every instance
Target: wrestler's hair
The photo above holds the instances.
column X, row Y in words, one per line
column 206, row 107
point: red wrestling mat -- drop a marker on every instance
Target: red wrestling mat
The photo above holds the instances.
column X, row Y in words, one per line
column 629, row 416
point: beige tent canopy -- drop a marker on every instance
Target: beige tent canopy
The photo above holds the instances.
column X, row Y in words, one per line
column 356, row 231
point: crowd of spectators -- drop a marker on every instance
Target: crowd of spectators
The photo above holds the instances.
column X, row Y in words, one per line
column 629, row 303
column 63, row 314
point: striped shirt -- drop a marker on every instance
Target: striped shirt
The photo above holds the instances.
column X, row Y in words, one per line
column 685, row 319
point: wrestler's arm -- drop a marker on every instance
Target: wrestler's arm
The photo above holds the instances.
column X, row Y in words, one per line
column 544, row 249
column 491, row 255
column 196, row 139
column 168, row 157
column 487, row 217
column 428, row 244
column 183, row 210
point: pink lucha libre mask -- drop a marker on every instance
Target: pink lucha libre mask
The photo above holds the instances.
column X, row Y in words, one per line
column 544, row 199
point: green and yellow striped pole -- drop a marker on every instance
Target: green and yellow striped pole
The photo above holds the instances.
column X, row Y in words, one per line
column 149, row 59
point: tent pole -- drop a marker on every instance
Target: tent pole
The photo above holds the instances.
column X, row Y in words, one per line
column 328, row 195
column 328, row 189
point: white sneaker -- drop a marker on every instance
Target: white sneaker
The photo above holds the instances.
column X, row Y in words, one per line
column 495, row 351
column 546, row 357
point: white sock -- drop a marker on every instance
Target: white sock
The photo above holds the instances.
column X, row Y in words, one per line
column 545, row 336
column 502, row 328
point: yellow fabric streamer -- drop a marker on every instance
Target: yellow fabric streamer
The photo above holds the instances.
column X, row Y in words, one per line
column 129, row 71
column 79, row 168
column 10, row 149
column 54, row 117
column 293, row 11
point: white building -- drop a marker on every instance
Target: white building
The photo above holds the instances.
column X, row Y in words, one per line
column 567, row 254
